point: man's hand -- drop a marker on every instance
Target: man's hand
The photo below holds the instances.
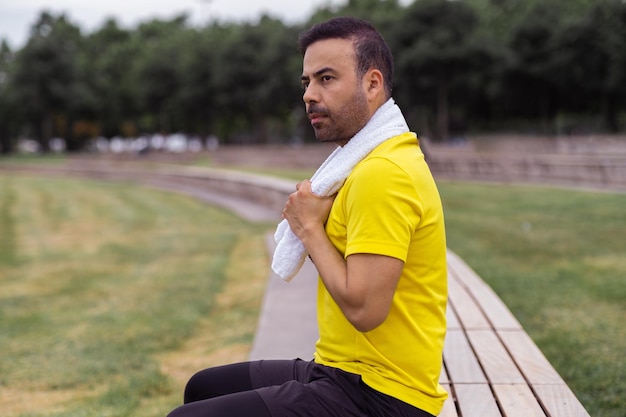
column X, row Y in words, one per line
column 306, row 211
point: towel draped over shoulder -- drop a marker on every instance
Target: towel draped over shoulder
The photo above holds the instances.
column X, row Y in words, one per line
column 387, row 122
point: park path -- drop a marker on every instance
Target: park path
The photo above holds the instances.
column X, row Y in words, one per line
column 287, row 326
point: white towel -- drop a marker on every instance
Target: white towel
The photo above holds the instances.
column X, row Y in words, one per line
column 386, row 123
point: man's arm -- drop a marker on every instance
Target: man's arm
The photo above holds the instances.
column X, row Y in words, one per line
column 363, row 286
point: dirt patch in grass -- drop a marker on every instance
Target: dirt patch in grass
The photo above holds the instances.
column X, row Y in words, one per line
column 20, row 402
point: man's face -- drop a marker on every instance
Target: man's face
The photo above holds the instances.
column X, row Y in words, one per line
column 335, row 99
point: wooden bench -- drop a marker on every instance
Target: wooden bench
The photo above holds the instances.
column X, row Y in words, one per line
column 491, row 366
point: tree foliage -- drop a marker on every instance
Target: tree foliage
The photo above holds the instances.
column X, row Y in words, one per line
column 8, row 121
column 46, row 76
column 439, row 57
column 461, row 66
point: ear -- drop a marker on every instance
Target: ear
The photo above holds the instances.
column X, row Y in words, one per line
column 374, row 83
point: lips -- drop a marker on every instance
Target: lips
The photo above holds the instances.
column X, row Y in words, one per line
column 316, row 118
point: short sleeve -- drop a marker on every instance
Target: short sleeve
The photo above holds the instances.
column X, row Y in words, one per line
column 382, row 208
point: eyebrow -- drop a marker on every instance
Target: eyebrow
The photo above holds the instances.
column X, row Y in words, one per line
column 317, row 73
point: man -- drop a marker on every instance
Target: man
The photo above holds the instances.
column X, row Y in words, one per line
column 378, row 245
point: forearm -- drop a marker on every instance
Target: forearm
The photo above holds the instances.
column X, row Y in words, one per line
column 333, row 270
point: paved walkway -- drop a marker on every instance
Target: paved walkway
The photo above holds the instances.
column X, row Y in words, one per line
column 287, row 325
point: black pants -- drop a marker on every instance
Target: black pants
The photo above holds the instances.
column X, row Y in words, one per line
column 290, row 388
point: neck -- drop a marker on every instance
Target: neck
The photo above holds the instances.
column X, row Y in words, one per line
column 376, row 103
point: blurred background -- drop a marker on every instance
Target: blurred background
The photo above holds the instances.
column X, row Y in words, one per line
column 186, row 76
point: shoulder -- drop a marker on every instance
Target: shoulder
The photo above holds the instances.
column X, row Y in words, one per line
column 397, row 160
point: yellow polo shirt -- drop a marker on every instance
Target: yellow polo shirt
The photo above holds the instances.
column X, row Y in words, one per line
column 390, row 205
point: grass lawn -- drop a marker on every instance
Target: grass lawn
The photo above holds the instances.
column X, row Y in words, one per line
column 111, row 296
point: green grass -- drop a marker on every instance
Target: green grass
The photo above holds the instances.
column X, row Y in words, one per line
column 557, row 258
column 107, row 290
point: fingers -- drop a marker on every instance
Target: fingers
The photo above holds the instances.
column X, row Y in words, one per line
column 303, row 189
column 306, row 183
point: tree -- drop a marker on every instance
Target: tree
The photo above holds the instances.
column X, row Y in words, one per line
column 535, row 81
column 382, row 13
column 46, row 76
column 7, row 106
column 436, row 57
column 156, row 72
column 196, row 94
column 256, row 78
column 591, row 65
column 108, row 56
column 497, row 17
column 529, row 88
column 279, row 92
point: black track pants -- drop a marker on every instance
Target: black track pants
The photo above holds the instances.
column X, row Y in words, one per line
column 285, row 388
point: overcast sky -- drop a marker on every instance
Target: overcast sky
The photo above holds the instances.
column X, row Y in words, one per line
column 17, row 16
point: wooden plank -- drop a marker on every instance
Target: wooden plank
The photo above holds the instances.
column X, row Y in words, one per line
column 494, row 358
column 449, row 407
column 461, row 364
column 443, row 376
column 517, row 400
column 468, row 312
column 476, row 400
column 466, row 274
column 559, row 401
column 529, row 358
column 451, row 318
column 492, row 306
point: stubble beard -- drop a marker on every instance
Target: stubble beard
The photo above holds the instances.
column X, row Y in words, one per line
column 344, row 123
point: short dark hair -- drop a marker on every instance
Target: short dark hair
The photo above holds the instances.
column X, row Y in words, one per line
column 370, row 48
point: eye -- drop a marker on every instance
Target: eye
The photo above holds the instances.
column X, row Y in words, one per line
column 326, row 78
column 305, row 85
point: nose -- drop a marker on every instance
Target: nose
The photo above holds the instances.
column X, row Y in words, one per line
column 310, row 94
